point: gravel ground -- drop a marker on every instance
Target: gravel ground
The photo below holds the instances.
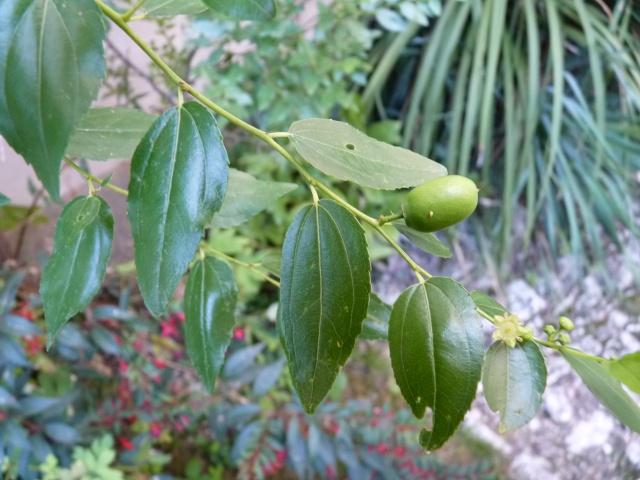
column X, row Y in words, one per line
column 572, row 436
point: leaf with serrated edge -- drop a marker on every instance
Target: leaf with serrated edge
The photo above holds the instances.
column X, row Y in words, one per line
column 605, row 388
column 52, row 65
column 514, row 380
column 346, row 153
column 626, row 370
column 210, row 298
column 179, row 176
column 244, row 9
column 169, row 8
column 487, row 304
column 247, row 196
column 437, row 350
column 325, row 287
column 77, row 266
column 376, row 325
column 106, row 133
column 425, row 241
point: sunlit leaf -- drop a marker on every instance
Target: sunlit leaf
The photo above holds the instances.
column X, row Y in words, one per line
column 437, row 350
column 605, row 388
column 324, row 295
column 425, row 241
column 179, row 176
column 106, row 133
column 169, row 8
column 346, row 153
column 244, row 9
column 52, row 65
column 513, row 381
column 246, row 196
column 487, row 304
column 626, row 370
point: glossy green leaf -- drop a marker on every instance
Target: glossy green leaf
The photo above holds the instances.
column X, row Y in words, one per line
column 179, row 176
column 75, row 271
column 437, row 349
column 376, row 325
column 605, row 388
column 487, row 304
column 244, row 9
column 210, row 300
column 106, row 133
column 425, row 241
column 169, row 8
column 514, row 380
column 325, row 287
column 246, row 196
column 346, row 153
column 52, row 66
column 626, row 370
column 4, row 200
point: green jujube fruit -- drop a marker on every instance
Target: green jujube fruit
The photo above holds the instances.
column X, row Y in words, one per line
column 440, row 203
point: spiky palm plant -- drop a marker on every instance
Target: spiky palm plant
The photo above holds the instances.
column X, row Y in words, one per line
column 538, row 98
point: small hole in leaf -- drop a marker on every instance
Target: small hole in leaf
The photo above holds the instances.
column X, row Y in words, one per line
column 350, row 146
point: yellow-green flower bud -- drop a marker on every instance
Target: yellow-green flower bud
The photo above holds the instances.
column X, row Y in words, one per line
column 564, row 338
column 549, row 329
column 566, row 324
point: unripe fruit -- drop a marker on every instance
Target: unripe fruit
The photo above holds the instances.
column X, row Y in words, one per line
column 440, row 203
column 566, row 324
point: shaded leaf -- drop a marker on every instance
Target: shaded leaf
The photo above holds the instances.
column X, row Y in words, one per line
column 241, row 360
column 487, row 304
column 105, row 341
column 268, row 377
column 210, row 300
column 626, row 370
column 244, row 9
column 605, row 388
column 296, row 448
column 13, row 215
column 169, row 8
column 376, row 325
column 425, row 241
column 273, row 263
column 18, row 326
column 246, row 196
column 513, row 381
column 178, row 180
column 246, row 442
column 81, row 250
column 324, row 296
column 61, row 433
column 106, row 133
column 437, row 350
column 346, row 153
column 4, row 200
column 53, row 63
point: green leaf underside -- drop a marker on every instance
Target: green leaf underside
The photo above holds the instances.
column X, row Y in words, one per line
column 626, row 370
column 514, row 380
column 52, row 64
column 376, row 325
column 324, row 295
column 4, row 200
column 209, row 305
column 76, row 269
column 425, row 241
column 167, row 8
column 487, row 304
column 346, row 153
column 244, row 9
column 107, row 133
column 605, row 388
column 179, row 176
column 437, row 350
column 246, row 196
